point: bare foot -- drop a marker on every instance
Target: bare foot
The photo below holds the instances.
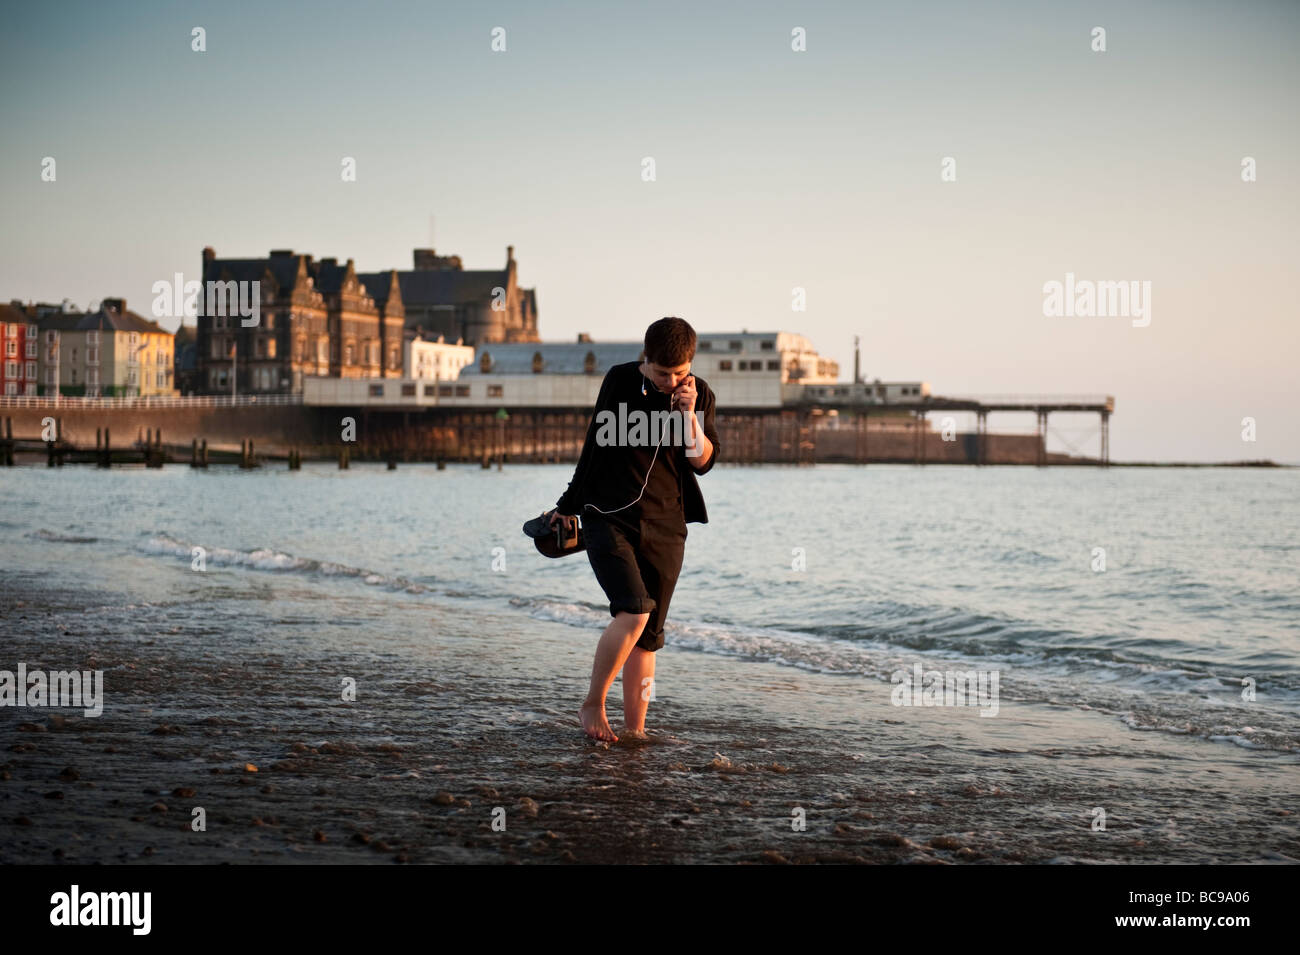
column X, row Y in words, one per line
column 634, row 734
column 594, row 723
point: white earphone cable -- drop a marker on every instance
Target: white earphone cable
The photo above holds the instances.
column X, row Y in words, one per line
column 648, row 470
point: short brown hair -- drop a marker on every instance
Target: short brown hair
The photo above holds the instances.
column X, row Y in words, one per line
column 669, row 342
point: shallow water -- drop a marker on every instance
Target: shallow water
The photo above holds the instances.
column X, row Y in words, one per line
column 1120, row 689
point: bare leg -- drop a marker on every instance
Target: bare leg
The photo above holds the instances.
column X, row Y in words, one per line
column 638, row 679
column 615, row 643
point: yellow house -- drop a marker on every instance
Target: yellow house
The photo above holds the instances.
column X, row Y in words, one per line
column 111, row 352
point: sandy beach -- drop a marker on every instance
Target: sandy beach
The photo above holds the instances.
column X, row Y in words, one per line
column 413, row 770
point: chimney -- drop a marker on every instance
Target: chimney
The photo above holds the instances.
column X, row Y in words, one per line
column 510, row 254
column 281, row 253
column 425, row 259
column 584, row 337
column 209, row 253
column 857, row 362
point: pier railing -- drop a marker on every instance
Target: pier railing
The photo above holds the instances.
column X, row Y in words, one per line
column 148, row 401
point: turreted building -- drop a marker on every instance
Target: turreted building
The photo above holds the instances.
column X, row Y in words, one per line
column 477, row 307
column 323, row 318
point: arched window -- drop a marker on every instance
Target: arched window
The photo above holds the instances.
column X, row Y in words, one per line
column 589, row 364
column 537, row 363
column 485, row 363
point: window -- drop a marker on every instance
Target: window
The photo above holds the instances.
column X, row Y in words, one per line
column 11, row 388
column 130, row 377
column 31, row 346
column 92, row 376
column 408, row 390
column 462, row 391
column 270, row 348
column 347, row 354
column 11, row 369
column 323, row 350
column 538, row 363
column 11, row 348
column 429, row 391
column 31, row 371
column 445, row 391
column 768, row 344
column 376, row 391
column 485, row 363
column 589, row 363
column 495, row 391
column 705, row 346
column 49, row 376
column 135, row 338
column 11, row 330
column 736, row 346
column 92, row 337
column 774, row 365
column 159, row 382
column 394, row 360
column 31, row 331
column 724, row 365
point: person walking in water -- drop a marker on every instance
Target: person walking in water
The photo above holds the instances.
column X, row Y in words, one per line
column 635, row 490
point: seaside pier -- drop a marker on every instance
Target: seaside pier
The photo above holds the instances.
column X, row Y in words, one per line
column 390, row 422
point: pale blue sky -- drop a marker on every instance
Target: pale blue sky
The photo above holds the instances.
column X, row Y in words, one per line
column 775, row 169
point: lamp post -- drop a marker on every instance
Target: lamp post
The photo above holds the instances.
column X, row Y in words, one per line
column 57, row 369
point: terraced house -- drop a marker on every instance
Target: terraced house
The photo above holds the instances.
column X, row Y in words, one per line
column 18, row 358
column 111, row 352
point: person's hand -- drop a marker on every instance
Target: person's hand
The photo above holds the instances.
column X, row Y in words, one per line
column 684, row 397
column 556, row 515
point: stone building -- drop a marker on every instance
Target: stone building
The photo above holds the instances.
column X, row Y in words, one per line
column 478, row 306
column 316, row 318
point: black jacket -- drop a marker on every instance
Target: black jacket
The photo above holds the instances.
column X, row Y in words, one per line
column 619, row 381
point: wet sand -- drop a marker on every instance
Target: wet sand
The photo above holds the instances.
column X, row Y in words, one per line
column 471, row 711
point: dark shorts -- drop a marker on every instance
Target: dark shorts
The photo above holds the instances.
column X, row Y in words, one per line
column 636, row 563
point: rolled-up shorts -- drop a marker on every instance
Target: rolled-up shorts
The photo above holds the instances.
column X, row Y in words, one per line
column 637, row 561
